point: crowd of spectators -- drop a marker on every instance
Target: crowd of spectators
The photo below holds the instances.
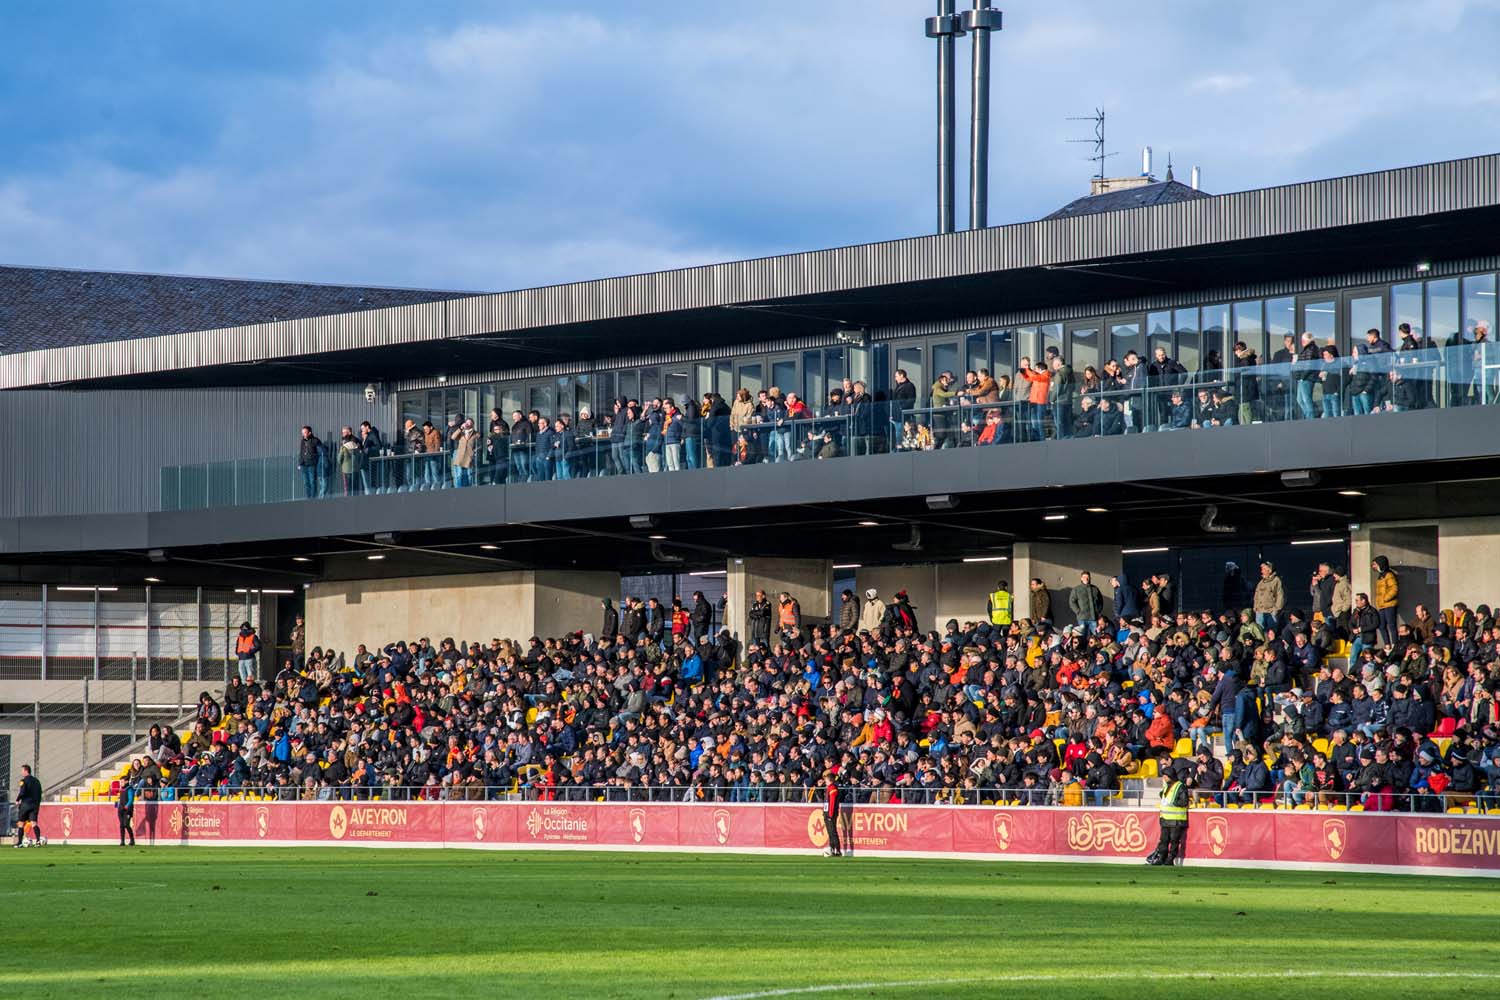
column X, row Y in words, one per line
column 649, row 704
column 1305, row 379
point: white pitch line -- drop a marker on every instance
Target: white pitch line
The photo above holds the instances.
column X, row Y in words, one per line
column 1101, row 977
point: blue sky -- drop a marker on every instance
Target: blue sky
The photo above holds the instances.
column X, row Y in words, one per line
column 488, row 146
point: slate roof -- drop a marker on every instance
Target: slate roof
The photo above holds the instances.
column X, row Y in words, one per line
column 1160, row 193
column 54, row 307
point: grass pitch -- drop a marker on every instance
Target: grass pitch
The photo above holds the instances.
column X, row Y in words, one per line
column 333, row 922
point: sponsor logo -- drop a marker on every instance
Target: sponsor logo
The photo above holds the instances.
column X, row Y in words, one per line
column 338, row 823
column 559, row 823
column 1102, row 833
column 721, row 825
column 478, row 818
column 262, row 821
column 638, row 825
column 1463, row 840
column 1218, row 835
column 1002, row 831
column 67, row 823
column 174, row 821
column 1335, row 838
column 817, row 832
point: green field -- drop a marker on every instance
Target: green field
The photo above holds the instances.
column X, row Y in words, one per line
column 335, row 922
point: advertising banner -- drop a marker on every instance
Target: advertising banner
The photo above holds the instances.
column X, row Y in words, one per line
column 1406, row 841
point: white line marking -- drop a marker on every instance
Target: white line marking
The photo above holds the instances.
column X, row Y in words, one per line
column 1101, row 977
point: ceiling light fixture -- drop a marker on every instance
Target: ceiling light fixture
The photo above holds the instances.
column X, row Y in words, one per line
column 1055, row 517
column 153, row 579
column 1351, row 493
column 1140, row 552
column 710, row 572
column 375, row 556
column 302, row 559
column 847, row 565
column 980, row 559
column 869, row 524
column 490, row 547
column 657, row 538
column 88, row 590
column 1097, row 510
column 1319, row 541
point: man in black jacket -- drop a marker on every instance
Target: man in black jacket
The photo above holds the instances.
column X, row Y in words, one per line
column 758, row 619
column 28, row 804
column 611, row 625
column 309, row 460
column 702, row 616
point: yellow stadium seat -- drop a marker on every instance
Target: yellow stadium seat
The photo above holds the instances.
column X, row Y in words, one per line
column 1149, row 768
column 1321, row 745
column 1356, row 808
column 1302, row 807
column 1339, row 807
column 1455, row 810
column 531, row 716
column 1184, row 748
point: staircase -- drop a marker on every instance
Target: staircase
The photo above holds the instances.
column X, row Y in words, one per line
column 97, row 783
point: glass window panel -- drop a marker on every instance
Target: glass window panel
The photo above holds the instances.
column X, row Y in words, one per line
column 630, row 385
column 1052, row 336
column 813, row 386
column 752, row 379
column 945, row 359
column 1249, row 324
column 1281, row 322
column 1002, row 352
column 675, row 384
column 413, row 407
column 1406, row 307
column 1365, row 315
column 511, row 399
column 1320, row 319
column 859, row 365
column 650, row 383
column 1479, row 303
column 1028, row 343
column 1186, row 336
column 724, row 380
column 784, row 375
column 1085, row 348
column 541, row 399
column 564, row 400
column 880, row 370
column 909, row 360
column 705, row 375
column 1442, row 309
column 835, row 366
column 1127, row 337
column 583, row 389
column 604, row 391
column 977, row 347
column 435, row 410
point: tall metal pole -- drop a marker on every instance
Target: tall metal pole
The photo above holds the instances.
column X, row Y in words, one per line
column 980, row 22
column 944, row 27
column 134, row 695
column 85, row 723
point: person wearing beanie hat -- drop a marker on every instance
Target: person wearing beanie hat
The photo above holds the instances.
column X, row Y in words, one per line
column 872, row 612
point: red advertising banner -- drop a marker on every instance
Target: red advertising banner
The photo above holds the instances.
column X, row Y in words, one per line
column 1344, row 840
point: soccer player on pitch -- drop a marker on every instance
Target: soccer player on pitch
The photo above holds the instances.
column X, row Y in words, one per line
column 831, row 813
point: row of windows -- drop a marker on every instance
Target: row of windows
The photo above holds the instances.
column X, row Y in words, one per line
column 1196, row 336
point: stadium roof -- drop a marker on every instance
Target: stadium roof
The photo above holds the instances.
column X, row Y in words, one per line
column 1166, row 192
column 1432, row 212
column 43, row 307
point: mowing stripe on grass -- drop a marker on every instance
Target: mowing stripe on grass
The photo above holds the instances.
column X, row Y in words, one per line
column 1100, row 977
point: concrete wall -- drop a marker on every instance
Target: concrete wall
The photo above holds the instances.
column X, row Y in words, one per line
column 1414, row 551
column 1058, row 564
column 472, row 607
column 810, row 581
column 1468, row 554
column 938, row 591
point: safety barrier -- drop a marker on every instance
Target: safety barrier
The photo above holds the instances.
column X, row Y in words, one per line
column 1384, row 841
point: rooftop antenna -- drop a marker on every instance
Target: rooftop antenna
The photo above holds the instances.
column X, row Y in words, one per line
column 1097, row 141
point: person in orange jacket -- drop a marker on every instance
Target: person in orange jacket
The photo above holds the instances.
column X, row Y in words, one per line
column 1036, row 407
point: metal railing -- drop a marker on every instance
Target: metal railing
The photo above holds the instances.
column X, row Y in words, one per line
column 1135, row 402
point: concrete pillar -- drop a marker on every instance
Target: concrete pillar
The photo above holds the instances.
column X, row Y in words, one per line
column 1057, row 564
column 1468, row 552
column 939, row 591
column 473, row 607
column 810, row 581
column 1413, row 549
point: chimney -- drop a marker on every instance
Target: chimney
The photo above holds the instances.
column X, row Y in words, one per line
column 1197, row 177
column 978, row 23
column 1146, row 162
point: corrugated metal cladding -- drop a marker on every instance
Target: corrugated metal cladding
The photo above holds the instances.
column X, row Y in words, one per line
column 1343, row 201
column 79, row 459
column 1228, row 293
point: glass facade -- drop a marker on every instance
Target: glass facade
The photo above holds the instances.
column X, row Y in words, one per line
column 1452, row 319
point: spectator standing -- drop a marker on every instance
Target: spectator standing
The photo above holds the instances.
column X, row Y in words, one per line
column 1040, row 601
column 1086, row 602
column 1269, row 599
column 1387, row 597
column 310, row 462
column 246, row 651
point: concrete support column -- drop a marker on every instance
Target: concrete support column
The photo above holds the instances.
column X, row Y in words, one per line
column 1413, row 550
column 1468, row 560
column 473, row 607
column 1057, row 565
column 810, row 581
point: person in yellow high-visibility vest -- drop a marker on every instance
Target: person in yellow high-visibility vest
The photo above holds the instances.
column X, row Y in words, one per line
column 1173, row 816
column 1000, row 604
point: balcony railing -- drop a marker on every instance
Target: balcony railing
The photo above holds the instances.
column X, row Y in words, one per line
column 1329, row 389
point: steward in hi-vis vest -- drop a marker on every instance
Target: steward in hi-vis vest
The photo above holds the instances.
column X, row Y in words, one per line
column 1000, row 604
